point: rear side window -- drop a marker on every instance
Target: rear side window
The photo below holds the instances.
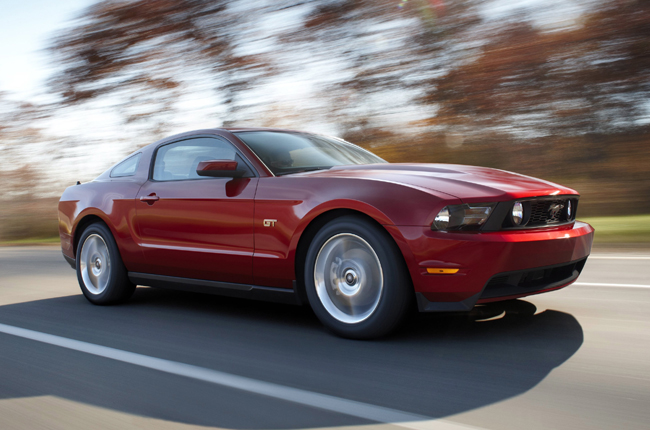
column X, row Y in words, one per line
column 179, row 160
column 126, row 167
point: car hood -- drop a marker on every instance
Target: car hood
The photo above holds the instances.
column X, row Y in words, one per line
column 471, row 183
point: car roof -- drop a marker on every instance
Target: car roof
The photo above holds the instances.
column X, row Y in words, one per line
column 236, row 129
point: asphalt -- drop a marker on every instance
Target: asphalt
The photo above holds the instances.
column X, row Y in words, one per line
column 571, row 359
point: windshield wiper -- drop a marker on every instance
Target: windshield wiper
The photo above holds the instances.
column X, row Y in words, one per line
column 304, row 169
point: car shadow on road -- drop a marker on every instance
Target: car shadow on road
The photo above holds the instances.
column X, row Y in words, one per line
column 436, row 365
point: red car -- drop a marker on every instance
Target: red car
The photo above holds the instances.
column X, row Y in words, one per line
column 297, row 217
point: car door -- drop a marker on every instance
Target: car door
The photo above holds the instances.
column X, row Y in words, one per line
column 197, row 227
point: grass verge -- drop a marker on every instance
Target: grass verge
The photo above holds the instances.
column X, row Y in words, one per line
column 621, row 229
column 32, row 241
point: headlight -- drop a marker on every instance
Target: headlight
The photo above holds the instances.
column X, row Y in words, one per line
column 462, row 217
column 441, row 222
column 517, row 214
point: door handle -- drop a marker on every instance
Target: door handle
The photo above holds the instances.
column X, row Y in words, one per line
column 150, row 199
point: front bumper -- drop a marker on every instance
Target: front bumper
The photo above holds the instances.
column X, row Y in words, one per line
column 484, row 259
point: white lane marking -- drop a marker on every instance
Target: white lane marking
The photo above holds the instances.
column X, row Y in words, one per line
column 295, row 395
column 612, row 257
column 602, row 284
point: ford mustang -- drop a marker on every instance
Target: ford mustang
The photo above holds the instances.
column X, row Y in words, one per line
column 297, row 217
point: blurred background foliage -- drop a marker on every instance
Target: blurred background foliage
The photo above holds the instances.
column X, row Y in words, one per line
column 557, row 89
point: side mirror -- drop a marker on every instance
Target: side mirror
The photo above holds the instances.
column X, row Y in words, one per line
column 219, row 169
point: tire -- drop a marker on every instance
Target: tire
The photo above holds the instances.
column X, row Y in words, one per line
column 100, row 271
column 356, row 280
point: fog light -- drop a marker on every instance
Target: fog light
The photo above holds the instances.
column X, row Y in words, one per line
column 517, row 213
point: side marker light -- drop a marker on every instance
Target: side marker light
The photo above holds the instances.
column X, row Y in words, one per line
column 438, row 271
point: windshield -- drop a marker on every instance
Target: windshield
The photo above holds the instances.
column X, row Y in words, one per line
column 290, row 152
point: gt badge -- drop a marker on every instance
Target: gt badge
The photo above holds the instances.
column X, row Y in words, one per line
column 270, row 222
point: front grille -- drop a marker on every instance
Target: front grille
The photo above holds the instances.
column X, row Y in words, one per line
column 532, row 280
column 540, row 212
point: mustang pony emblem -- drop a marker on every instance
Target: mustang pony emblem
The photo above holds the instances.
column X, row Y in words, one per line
column 554, row 210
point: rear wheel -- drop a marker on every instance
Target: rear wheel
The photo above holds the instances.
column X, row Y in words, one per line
column 355, row 278
column 100, row 271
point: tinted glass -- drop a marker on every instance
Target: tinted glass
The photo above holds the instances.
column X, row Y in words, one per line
column 179, row 160
column 285, row 152
column 126, row 167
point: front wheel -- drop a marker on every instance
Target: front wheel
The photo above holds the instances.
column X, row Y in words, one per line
column 101, row 274
column 355, row 278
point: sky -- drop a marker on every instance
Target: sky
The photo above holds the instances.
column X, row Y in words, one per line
column 25, row 28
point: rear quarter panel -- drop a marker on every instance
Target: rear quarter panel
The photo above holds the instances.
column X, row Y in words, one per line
column 111, row 201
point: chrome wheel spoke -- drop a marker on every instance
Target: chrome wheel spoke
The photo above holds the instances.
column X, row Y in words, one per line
column 95, row 264
column 348, row 277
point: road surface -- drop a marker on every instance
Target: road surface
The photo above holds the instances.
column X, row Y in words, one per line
column 572, row 359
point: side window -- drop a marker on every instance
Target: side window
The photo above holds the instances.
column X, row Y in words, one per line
column 126, row 167
column 179, row 160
